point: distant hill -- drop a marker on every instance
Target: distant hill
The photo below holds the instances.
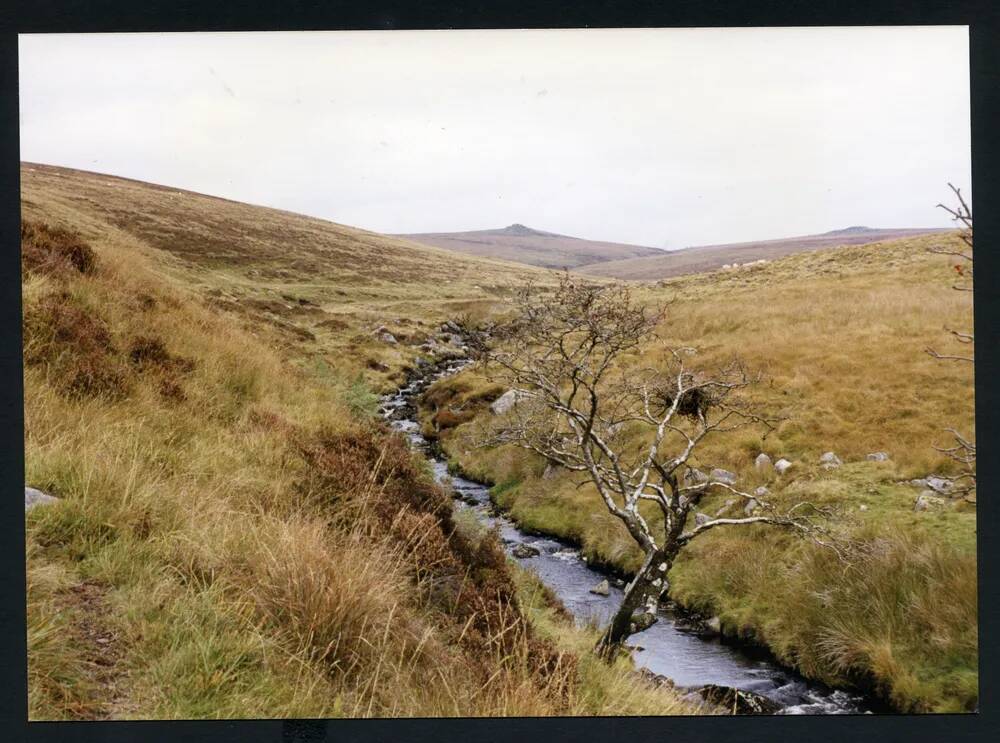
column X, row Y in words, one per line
column 534, row 247
column 260, row 244
column 710, row 257
column 324, row 286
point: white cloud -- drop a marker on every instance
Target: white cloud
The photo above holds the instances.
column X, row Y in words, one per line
column 657, row 137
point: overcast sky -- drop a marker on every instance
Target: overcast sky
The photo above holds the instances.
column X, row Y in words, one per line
column 658, row 137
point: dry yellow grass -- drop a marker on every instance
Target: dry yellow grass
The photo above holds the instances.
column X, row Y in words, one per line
column 202, row 538
column 232, row 539
column 323, row 286
column 839, row 336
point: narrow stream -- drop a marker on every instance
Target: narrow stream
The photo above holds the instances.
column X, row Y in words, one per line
column 669, row 649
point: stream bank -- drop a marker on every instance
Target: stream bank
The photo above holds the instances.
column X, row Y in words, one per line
column 675, row 647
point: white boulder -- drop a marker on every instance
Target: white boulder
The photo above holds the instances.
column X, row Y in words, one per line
column 33, row 498
column 724, row 476
column 927, row 500
column 830, row 461
column 763, row 463
column 601, row 589
column 694, row 476
column 505, row 402
column 939, row 484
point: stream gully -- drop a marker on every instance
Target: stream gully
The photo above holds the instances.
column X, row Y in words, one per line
column 669, row 648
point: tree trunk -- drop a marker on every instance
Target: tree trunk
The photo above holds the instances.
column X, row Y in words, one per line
column 642, row 586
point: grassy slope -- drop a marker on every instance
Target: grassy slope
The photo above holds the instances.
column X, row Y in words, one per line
column 234, row 539
column 323, row 286
column 533, row 247
column 712, row 257
column 839, row 335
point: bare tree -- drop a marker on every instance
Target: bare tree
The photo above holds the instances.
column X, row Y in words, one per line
column 561, row 353
column 963, row 449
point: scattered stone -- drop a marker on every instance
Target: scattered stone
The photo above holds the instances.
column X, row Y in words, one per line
column 751, row 506
column 830, row 461
column 656, row 679
column 383, row 334
column 618, row 582
column 694, row 476
column 919, row 483
column 761, row 491
column 926, row 500
column 940, row 484
column 714, row 625
column 33, row 497
column 550, row 471
column 701, row 518
column 724, row 476
column 642, row 621
column 862, row 507
column 782, row 465
column 878, row 456
column 738, row 701
column 505, row 402
column 763, row 463
column 524, row 551
column 602, row 589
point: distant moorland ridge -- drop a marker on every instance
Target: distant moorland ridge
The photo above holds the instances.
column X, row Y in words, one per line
column 523, row 244
column 710, row 257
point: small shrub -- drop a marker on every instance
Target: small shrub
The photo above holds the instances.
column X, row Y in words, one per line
column 51, row 250
column 171, row 389
column 148, row 351
column 450, row 418
column 75, row 345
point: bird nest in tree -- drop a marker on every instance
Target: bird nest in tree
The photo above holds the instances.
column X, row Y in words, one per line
column 692, row 402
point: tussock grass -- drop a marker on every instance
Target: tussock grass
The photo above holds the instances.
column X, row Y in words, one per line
column 839, row 336
column 259, row 546
column 900, row 614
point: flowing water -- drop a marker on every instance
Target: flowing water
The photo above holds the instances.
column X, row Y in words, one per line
column 669, row 649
